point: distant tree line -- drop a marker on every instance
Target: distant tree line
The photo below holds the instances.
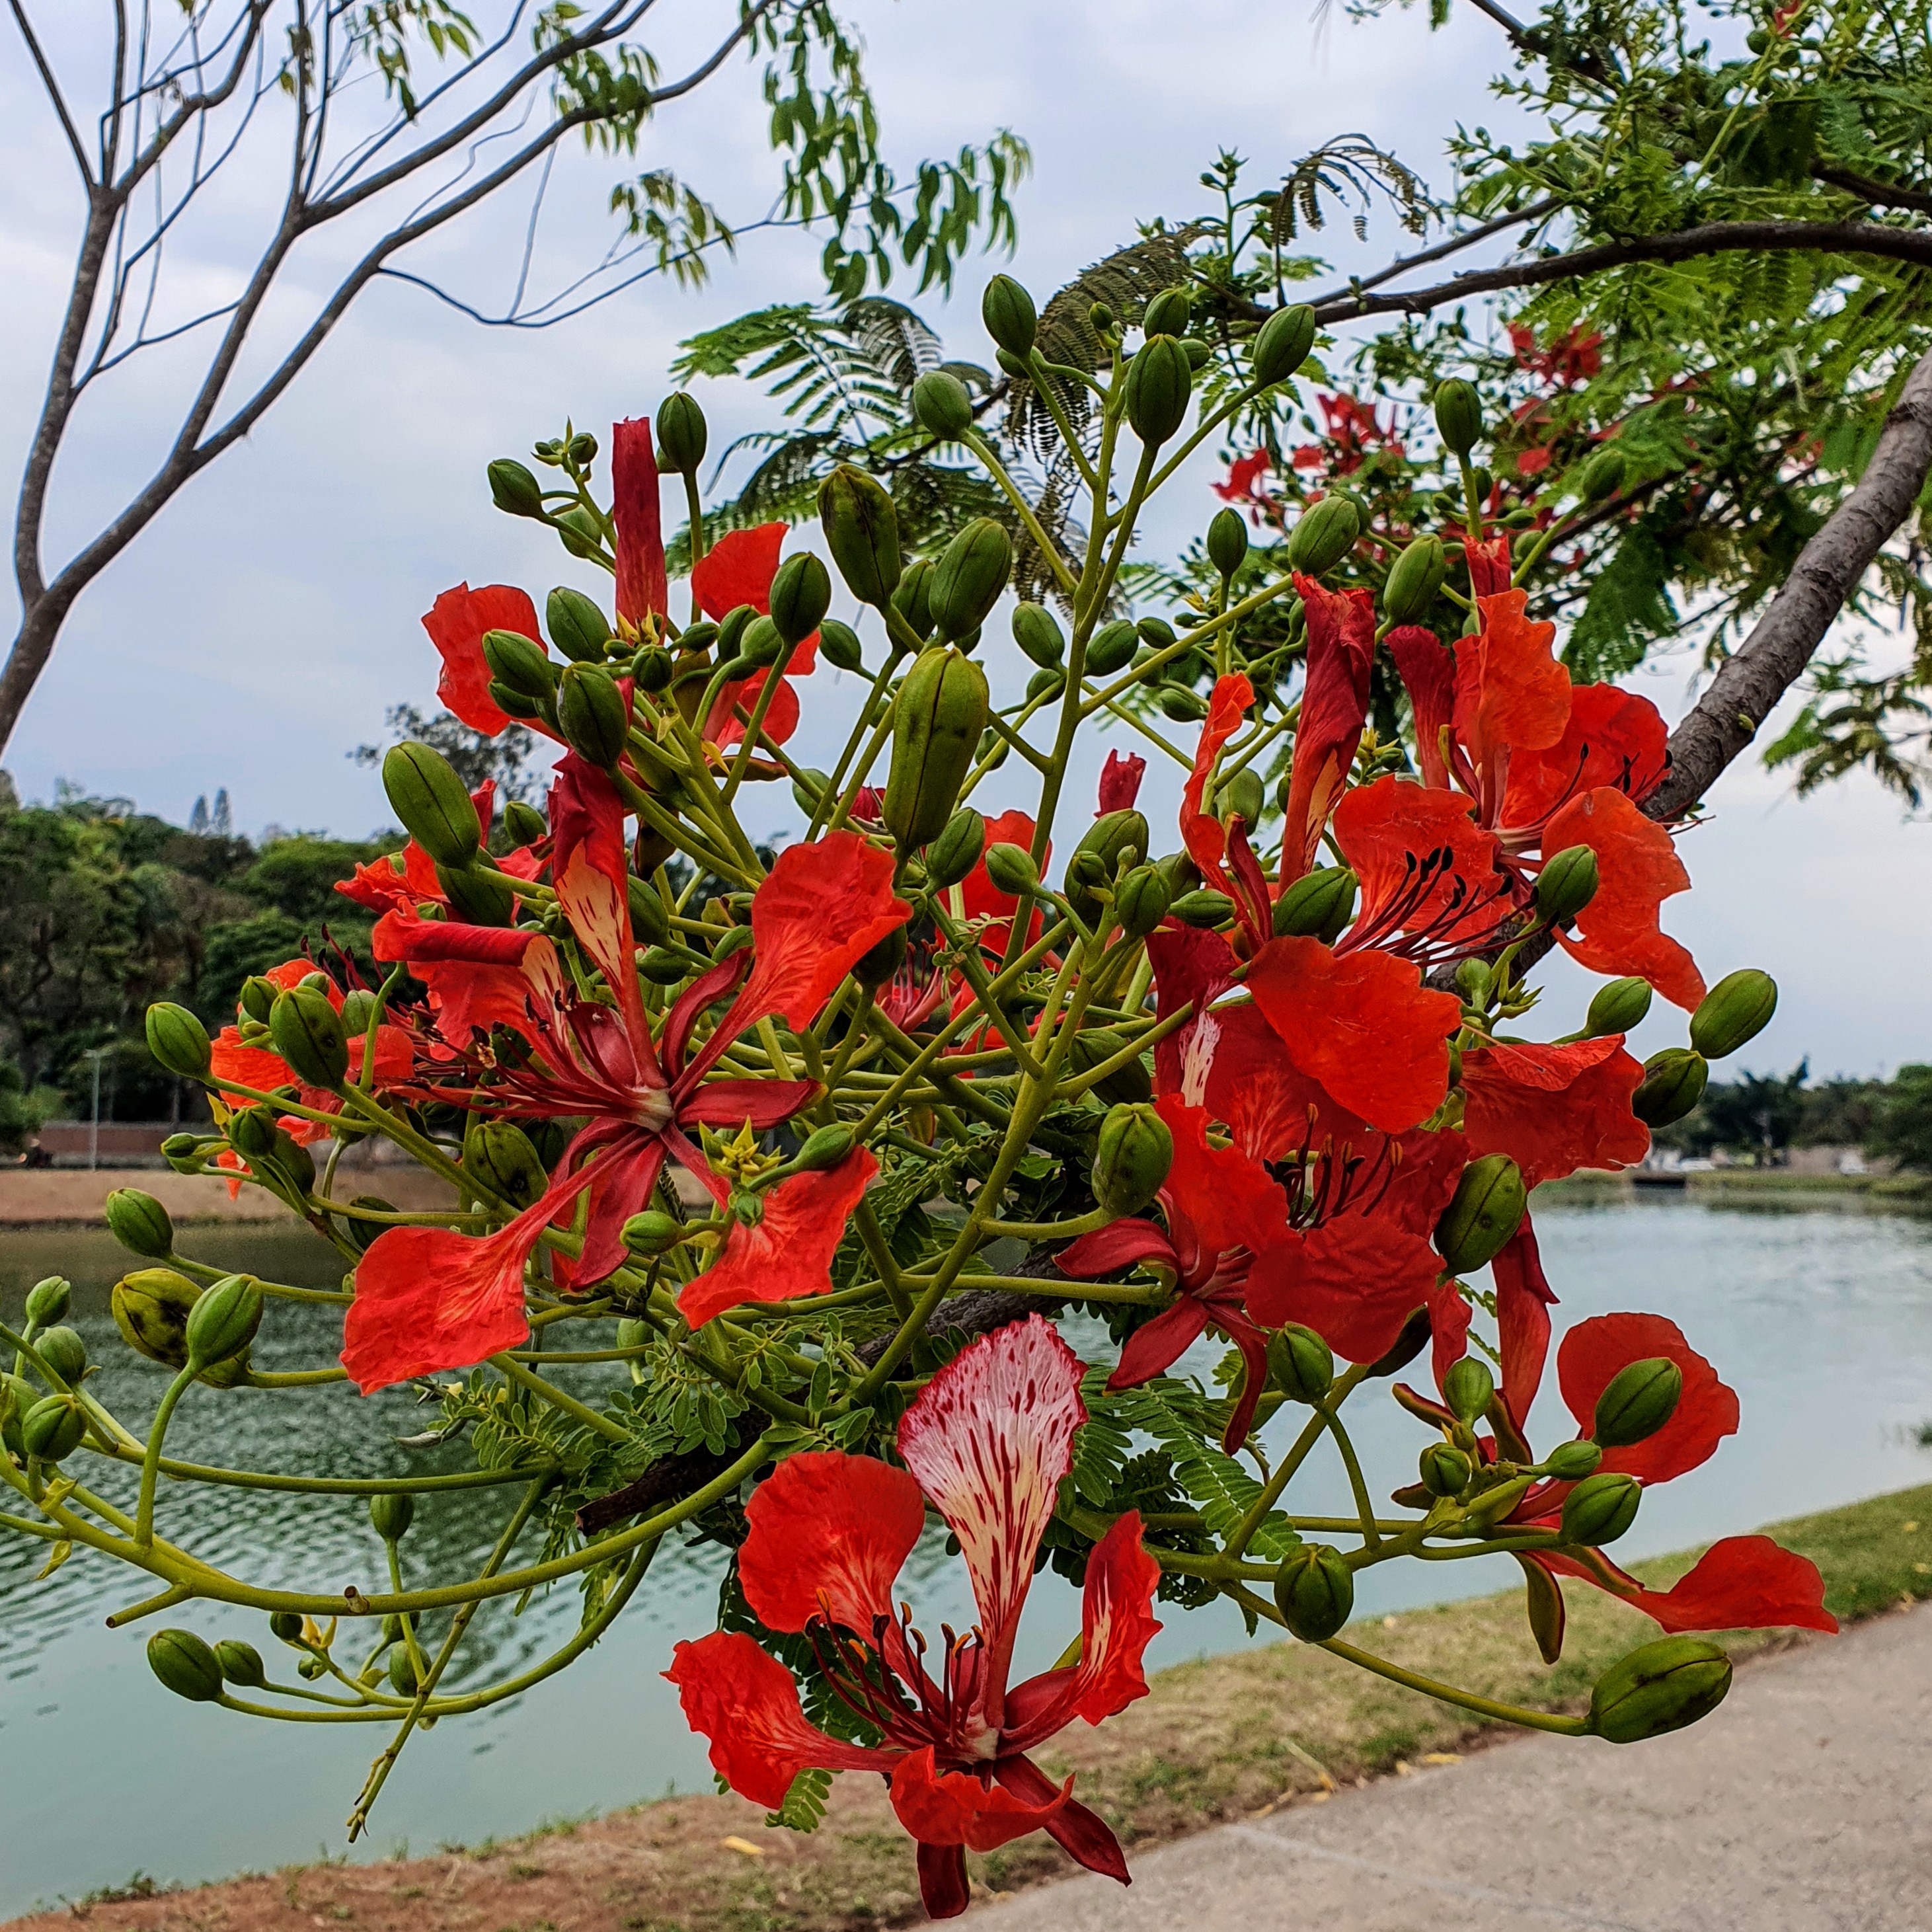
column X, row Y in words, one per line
column 1761, row 1115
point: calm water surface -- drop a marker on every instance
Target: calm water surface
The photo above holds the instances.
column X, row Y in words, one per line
column 1819, row 1312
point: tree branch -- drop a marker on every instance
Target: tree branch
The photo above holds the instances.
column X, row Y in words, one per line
column 53, row 92
column 1881, row 194
column 1453, row 244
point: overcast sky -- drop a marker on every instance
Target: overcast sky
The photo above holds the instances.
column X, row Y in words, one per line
column 258, row 630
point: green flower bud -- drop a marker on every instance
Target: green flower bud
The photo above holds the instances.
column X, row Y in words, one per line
column 150, row 1308
column 1467, row 1386
column 1129, row 1084
column 1445, row 1470
column 1118, row 839
column 582, row 449
column 1011, row 319
column 1459, row 414
column 954, row 853
column 649, row 921
column 1181, row 705
column 1473, row 980
column 251, row 1132
column 1111, row 649
column 801, row 596
column 838, row 644
column 682, row 434
column 17, row 1395
column 1134, row 1151
column 652, row 1232
column 1639, row 1400
column 1100, row 318
column 1673, row 1084
column 941, row 404
column 521, row 663
column 1413, row 579
column 1300, row 1364
column 1038, row 634
column 824, row 1148
column 1205, row 909
column 1228, row 541
column 762, row 644
column 222, row 1322
column 652, row 668
column 593, row 715
column 258, row 996
column 64, row 1352
column 1012, row 869
column 51, row 1429
column 308, row 1033
column 913, row 600
column 1485, row 1211
column 1168, row 312
column 1141, row 901
column 1618, row 1007
column 240, row 1663
column 862, row 531
column 1662, row 1687
column 361, row 1233
column 475, row 897
column 1282, row 344
column 729, row 635
column 1566, row 884
column 580, row 533
column 1600, row 1508
column 1159, row 386
column 632, row 1334
column 286, row 1626
column 664, row 966
column 1314, row 1590
column 1243, row 796
column 969, row 577
column 47, row 1300
column 1156, row 633
column 178, row 1041
column 1736, row 1010
column 1324, row 534
column 391, row 1513
column 513, row 489
column 940, row 712
column 876, row 966
column 1319, row 905
column 402, row 1679
column 1048, row 683
column 185, row 1664
column 429, row 798
column 1601, row 477
column 1571, row 1462
column 1483, row 481
column 504, row 1158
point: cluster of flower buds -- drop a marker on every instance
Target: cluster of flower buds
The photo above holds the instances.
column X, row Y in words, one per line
column 799, row 1160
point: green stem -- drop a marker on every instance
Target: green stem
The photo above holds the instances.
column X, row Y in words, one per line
column 151, row 1463
column 1466, row 1700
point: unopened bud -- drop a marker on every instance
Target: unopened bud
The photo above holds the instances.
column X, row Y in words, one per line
column 1600, row 1508
column 1486, row 1210
column 222, row 1322
column 1300, row 1364
column 1012, row 869
column 1159, row 386
column 1282, row 344
column 308, row 1033
column 954, row 853
column 1010, row 317
column 1567, row 883
column 63, row 1352
column 240, row 1663
column 1444, row 1470
column 1639, row 1400
column 1602, row 477
column 1206, row 909
column 391, row 1513
column 1314, row 1590
column 1038, row 633
column 838, row 645
column 862, row 531
column 513, row 489
column 1673, row 1083
column 1241, row 795
column 879, row 964
column 178, row 1041
column 47, row 1300
column 52, row 1428
column 682, row 434
column 1618, row 1007
column 151, row 1309
column 652, row 1232
column 505, row 1160
column 1118, row 840
column 801, row 596
column 1571, row 1462
column 913, row 599
column 1228, row 541
column 940, row 712
column 824, row 1149
column 1413, row 579
column 1134, row 1151
column 942, row 405
column 1168, row 313
column 185, row 1664
column 970, row 575
column 1141, row 901
column 429, row 798
column 1734, row 1011
column 257, row 997
column 1660, row 1687
column 1112, row 648
column 1459, row 414
column 593, row 715
column 1467, row 1386
column 1319, row 905
column 1324, row 536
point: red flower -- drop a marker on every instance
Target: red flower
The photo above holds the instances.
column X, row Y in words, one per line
column 1334, row 705
column 1352, row 429
column 456, row 622
column 1202, row 832
column 1120, row 782
column 643, row 591
column 1244, row 486
column 1524, row 1300
column 1428, row 671
column 1363, row 1026
column 785, row 1254
column 1553, row 1109
column 987, row 1442
column 1226, row 1220
column 408, row 877
column 1510, row 692
column 737, row 569
column 1490, row 568
column 1613, row 738
column 1743, row 1582
column 1637, row 868
column 822, row 906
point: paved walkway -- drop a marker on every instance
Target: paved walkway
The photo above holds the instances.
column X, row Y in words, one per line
column 1804, row 1804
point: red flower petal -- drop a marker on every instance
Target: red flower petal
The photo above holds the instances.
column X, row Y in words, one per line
column 1226, row 1199
column 1489, row 562
column 1523, row 1302
column 1553, row 1109
column 589, row 867
column 981, row 899
column 1116, row 1622
column 1364, row 1027
column 456, row 622
column 1638, row 868
column 821, row 909
column 1155, row 1346
column 1428, row 673
column 829, row 1533
column 1120, row 782
column 1252, row 1087
column 1204, row 834
column 738, row 569
column 746, row 1702
column 1593, row 1354
column 642, row 587
column 1190, row 966
column 788, row 1255
column 725, row 727
column 1334, row 704
column 989, row 1438
column 478, row 976
column 1448, row 1329
column 1613, row 738
column 1743, row 1582
column 1353, row 1280
column 953, row 1807
column 1124, row 1244
column 1510, row 691
column 1427, row 868
column 428, row 1299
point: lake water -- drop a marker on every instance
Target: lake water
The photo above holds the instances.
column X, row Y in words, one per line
column 1818, row 1311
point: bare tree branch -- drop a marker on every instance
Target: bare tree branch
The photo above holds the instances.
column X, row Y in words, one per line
column 53, row 91
column 1881, row 194
column 1453, row 244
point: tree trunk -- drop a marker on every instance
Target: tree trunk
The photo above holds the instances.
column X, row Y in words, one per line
column 33, row 645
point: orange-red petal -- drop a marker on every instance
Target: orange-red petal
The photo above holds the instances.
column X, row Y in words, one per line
column 1554, row 1109
column 456, row 622
column 1595, row 1352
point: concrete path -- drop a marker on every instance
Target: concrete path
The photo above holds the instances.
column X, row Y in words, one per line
column 1803, row 1804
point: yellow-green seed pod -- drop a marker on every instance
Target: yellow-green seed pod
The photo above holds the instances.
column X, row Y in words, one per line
column 1485, row 1211
column 940, row 711
column 1661, row 1687
column 862, row 531
column 1734, row 1012
column 430, row 800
